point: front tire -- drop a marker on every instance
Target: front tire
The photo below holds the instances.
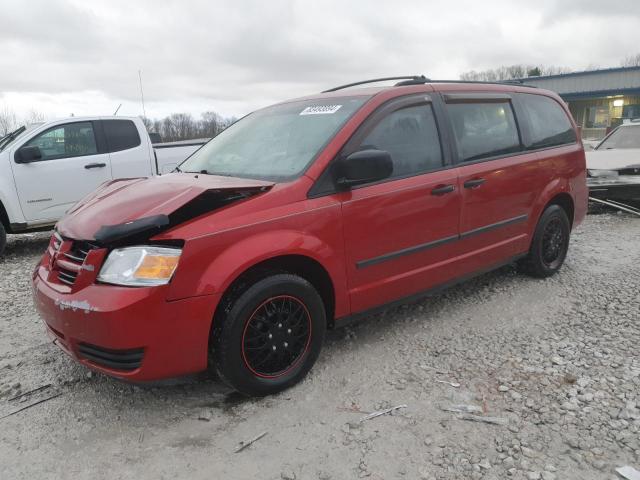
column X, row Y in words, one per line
column 3, row 239
column 268, row 337
column 549, row 245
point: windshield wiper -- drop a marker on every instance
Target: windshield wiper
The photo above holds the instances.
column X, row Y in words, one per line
column 8, row 138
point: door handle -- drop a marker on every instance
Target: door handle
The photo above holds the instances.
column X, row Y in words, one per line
column 473, row 183
column 443, row 190
column 95, row 165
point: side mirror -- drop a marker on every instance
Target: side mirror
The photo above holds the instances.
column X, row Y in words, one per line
column 28, row 154
column 362, row 167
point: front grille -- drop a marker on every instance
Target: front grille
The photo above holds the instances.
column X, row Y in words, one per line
column 67, row 276
column 69, row 264
column 117, row 359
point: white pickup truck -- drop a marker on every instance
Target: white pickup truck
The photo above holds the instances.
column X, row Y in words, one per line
column 46, row 168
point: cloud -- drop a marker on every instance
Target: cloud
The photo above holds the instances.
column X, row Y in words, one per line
column 236, row 56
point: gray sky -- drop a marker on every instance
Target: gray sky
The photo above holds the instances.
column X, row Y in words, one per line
column 64, row 56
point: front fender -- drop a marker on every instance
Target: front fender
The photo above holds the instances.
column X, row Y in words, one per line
column 235, row 254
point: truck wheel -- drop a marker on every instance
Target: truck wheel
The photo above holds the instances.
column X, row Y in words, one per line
column 549, row 245
column 3, row 238
column 269, row 337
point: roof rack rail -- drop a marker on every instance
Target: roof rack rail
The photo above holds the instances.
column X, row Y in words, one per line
column 407, row 80
column 518, row 82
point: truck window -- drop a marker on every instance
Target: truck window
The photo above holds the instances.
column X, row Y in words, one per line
column 484, row 130
column 121, row 135
column 410, row 135
column 548, row 122
column 64, row 141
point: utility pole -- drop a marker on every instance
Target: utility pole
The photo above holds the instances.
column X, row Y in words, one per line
column 144, row 112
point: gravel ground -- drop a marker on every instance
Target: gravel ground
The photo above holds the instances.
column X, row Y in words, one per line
column 555, row 362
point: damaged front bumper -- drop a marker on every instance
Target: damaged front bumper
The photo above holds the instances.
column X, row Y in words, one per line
column 129, row 333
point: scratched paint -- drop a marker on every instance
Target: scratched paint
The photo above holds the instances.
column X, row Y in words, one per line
column 75, row 305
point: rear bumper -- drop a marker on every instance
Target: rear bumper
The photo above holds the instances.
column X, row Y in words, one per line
column 128, row 333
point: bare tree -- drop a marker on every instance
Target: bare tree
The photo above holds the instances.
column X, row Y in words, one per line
column 210, row 125
column 182, row 126
column 33, row 116
column 631, row 61
column 512, row 72
column 8, row 121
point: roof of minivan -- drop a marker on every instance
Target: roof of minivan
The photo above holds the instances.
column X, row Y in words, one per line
column 444, row 86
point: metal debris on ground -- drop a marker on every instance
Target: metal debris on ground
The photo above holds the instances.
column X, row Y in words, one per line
column 628, row 472
column 31, row 405
column 24, row 394
column 381, row 412
column 244, row 445
column 491, row 420
column 618, row 205
column 453, row 384
column 463, row 409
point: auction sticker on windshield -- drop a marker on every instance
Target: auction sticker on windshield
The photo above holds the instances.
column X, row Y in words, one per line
column 320, row 109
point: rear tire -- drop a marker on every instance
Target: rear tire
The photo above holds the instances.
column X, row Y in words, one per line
column 268, row 337
column 3, row 239
column 549, row 245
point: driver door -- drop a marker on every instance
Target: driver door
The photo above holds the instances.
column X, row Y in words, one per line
column 72, row 165
column 401, row 233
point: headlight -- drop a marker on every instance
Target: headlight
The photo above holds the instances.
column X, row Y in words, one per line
column 140, row 266
column 602, row 173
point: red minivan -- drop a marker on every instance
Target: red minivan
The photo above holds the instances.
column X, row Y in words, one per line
column 304, row 215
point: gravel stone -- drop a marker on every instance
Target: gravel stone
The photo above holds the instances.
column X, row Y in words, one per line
column 557, row 358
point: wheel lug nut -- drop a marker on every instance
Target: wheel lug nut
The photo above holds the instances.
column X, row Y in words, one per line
column 286, row 344
column 273, row 347
column 288, row 330
column 279, row 325
column 270, row 336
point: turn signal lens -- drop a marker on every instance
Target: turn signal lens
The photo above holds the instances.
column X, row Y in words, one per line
column 157, row 267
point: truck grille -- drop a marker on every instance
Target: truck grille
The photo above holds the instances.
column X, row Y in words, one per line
column 116, row 359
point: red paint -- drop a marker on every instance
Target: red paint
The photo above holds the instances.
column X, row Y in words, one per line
column 173, row 322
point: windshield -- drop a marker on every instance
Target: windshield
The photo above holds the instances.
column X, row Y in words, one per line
column 623, row 137
column 276, row 143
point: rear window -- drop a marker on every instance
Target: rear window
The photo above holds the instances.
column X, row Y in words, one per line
column 484, row 130
column 121, row 135
column 548, row 123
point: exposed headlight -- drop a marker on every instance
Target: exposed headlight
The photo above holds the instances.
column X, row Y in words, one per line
column 140, row 266
column 602, row 173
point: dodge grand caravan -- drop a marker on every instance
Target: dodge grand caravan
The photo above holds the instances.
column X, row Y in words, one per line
column 304, row 215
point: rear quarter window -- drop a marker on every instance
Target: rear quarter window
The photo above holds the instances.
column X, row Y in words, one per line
column 549, row 125
column 120, row 135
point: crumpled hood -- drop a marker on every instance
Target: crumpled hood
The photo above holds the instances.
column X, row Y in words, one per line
column 123, row 201
column 613, row 159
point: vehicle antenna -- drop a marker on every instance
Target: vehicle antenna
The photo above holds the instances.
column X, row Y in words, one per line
column 116, row 112
column 144, row 113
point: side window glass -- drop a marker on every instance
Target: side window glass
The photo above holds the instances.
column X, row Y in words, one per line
column 484, row 130
column 548, row 122
column 64, row 141
column 121, row 135
column 411, row 137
